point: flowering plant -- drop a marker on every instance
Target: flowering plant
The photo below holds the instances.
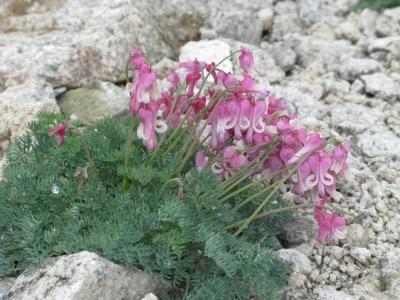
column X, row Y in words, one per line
column 242, row 131
column 186, row 186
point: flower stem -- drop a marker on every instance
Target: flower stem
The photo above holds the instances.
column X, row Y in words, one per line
column 128, row 150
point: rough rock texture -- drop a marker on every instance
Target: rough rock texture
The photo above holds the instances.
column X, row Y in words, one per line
column 5, row 286
column 85, row 276
column 19, row 105
column 93, row 102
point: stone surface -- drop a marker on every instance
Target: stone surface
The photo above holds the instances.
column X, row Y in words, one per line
column 330, row 293
column 20, row 104
column 94, row 102
column 208, row 51
column 65, row 47
column 355, row 67
column 382, row 86
column 83, row 275
column 297, row 261
column 266, row 15
column 361, row 254
column 5, row 286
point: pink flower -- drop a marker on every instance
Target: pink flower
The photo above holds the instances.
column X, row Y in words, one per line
column 339, row 155
column 250, row 86
column 149, row 125
column 60, row 130
column 192, row 79
column 226, row 79
column 257, row 124
column 211, row 69
column 329, row 224
column 233, row 159
column 173, row 80
column 313, row 143
column 143, row 87
column 246, row 61
column 201, row 160
column 137, row 58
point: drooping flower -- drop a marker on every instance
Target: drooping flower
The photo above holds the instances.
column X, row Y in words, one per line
column 137, row 58
column 60, row 130
column 201, row 160
column 329, row 224
column 143, row 88
column 246, row 61
column 339, row 156
column 150, row 125
column 250, row 85
column 313, row 143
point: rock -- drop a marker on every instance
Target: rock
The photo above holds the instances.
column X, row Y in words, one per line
column 266, row 15
column 390, row 268
column 240, row 25
column 326, row 52
column 285, row 24
column 361, row 254
column 299, row 230
column 353, row 270
column 297, row 280
column 356, row 235
column 283, row 55
column 349, row 31
column 330, row 293
column 20, row 104
column 297, row 261
column 354, row 118
column 94, row 102
column 67, row 48
column 83, row 275
column 150, row 296
column 336, row 251
column 381, row 86
column 387, row 44
column 379, row 142
column 208, row 51
column 336, row 86
column 357, row 86
column 164, row 67
column 355, row 67
column 5, row 286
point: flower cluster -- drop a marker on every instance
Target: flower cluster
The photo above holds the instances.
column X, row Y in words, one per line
column 240, row 127
column 243, row 124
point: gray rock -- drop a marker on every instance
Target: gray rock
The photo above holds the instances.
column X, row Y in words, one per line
column 327, row 52
column 5, row 286
column 239, row 25
column 20, row 104
column 381, row 86
column 299, row 230
column 83, row 275
column 356, row 235
column 266, row 15
column 354, row 67
column 387, row 44
column 348, row 31
column 67, row 48
column 379, row 142
column 297, row 280
column 164, row 67
column 283, row 55
column 330, row 293
column 361, row 254
column 285, row 24
column 94, row 102
column 390, row 268
column 297, row 261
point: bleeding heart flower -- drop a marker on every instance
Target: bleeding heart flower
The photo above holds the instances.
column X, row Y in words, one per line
column 339, row 155
column 60, row 130
column 246, row 61
column 201, row 160
column 329, row 224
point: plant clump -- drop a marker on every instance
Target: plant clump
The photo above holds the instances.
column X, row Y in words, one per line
column 187, row 185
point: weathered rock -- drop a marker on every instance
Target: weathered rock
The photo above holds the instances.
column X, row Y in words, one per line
column 354, row 67
column 297, row 261
column 5, row 286
column 356, row 235
column 297, row 280
column 330, row 293
column 208, row 51
column 266, row 15
column 285, row 24
column 20, row 104
column 387, row 44
column 379, row 142
column 239, row 25
column 299, row 230
column 349, row 31
column 94, row 102
column 164, row 67
column 361, row 254
column 67, row 48
column 391, row 273
column 83, row 275
column 328, row 53
column 283, row 55
column 382, row 86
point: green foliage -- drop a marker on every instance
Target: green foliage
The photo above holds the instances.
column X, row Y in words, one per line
column 377, row 4
column 165, row 222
